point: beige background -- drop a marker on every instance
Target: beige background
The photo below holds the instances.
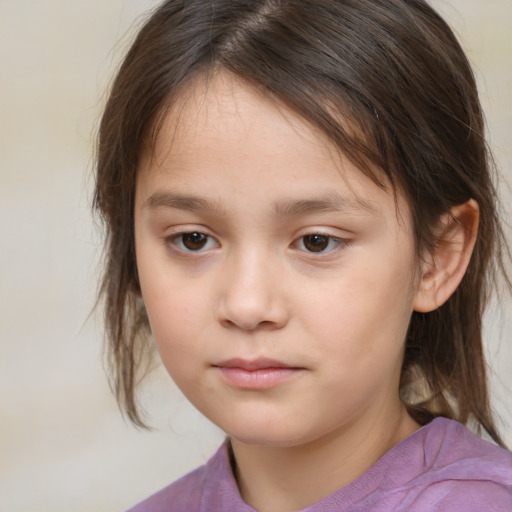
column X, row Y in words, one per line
column 63, row 445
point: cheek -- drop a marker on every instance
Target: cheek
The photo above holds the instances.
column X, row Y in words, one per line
column 364, row 316
column 172, row 300
column 174, row 310
column 177, row 334
column 175, row 316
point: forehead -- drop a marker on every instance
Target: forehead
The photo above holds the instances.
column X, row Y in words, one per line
column 213, row 112
column 223, row 127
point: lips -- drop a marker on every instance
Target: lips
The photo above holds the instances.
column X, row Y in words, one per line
column 256, row 374
column 252, row 365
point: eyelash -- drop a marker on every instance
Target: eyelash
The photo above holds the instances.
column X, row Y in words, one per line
column 320, row 237
column 178, row 243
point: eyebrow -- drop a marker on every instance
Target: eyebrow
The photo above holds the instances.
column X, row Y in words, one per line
column 182, row 202
column 327, row 203
column 324, row 204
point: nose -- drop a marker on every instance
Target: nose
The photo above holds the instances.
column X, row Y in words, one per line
column 252, row 295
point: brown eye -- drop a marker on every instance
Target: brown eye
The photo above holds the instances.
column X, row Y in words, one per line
column 194, row 241
column 319, row 243
column 316, row 242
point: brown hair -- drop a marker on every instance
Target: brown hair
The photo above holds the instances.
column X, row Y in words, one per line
column 395, row 72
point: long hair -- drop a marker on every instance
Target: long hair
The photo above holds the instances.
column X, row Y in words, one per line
column 393, row 71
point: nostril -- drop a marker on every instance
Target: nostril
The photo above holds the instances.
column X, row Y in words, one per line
column 272, row 317
column 247, row 325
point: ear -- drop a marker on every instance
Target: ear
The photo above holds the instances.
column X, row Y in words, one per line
column 443, row 270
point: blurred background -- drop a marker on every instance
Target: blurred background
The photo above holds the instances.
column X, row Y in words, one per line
column 64, row 446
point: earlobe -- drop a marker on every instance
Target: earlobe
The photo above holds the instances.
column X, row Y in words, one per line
column 444, row 269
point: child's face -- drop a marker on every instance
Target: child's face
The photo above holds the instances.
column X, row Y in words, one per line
column 278, row 280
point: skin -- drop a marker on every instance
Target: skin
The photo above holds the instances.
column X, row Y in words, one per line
column 238, row 168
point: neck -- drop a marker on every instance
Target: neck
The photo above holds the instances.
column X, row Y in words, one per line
column 291, row 478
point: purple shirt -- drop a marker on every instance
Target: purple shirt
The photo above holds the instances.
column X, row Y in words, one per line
column 441, row 467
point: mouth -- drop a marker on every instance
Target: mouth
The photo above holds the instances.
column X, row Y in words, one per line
column 256, row 374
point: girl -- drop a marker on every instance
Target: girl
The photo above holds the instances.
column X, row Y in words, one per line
column 299, row 208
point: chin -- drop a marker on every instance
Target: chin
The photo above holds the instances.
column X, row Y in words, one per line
column 265, row 440
column 277, row 436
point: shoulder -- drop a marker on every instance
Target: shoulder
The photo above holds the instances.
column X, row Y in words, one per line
column 191, row 492
column 463, row 472
column 464, row 496
column 452, row 448
column 184, row 494
column 443, row 467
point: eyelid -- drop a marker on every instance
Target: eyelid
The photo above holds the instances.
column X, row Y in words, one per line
column 341, row 242
column 172, row 240
column 328, row 250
